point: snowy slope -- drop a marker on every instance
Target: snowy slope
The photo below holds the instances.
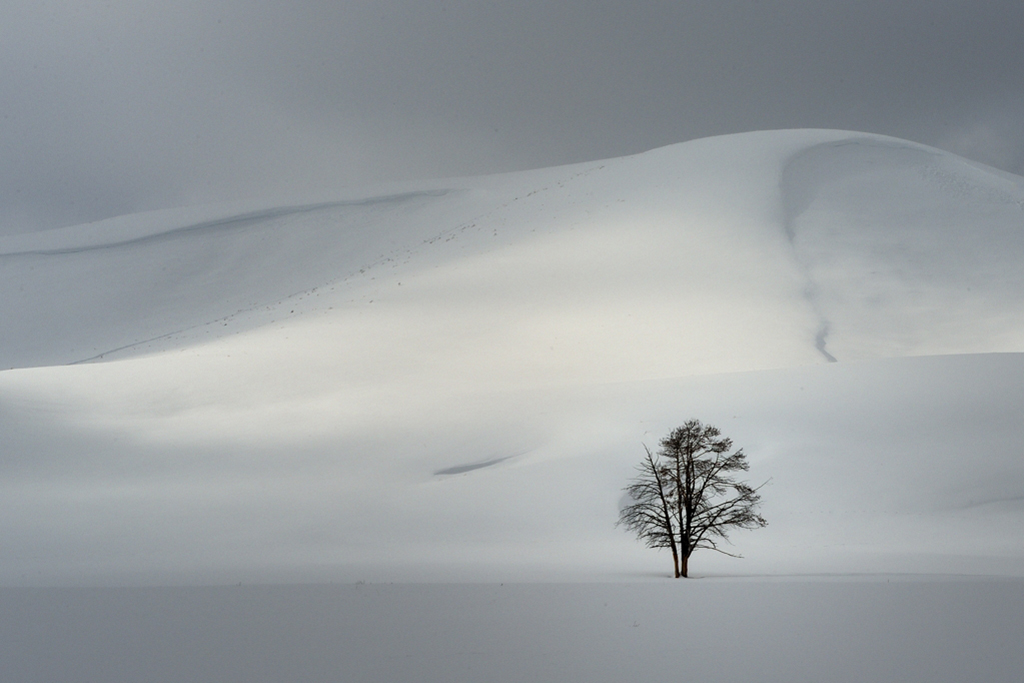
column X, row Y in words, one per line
column 869, row 246
column 453, row 380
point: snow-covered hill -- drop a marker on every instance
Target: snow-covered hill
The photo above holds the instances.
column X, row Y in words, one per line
column 728, row 253
column 453, row 379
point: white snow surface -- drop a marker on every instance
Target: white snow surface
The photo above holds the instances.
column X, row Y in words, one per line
column 450, row 383
column 453, row 381
column 720, row 631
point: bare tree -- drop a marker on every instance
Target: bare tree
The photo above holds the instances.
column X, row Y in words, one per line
column 685, row 498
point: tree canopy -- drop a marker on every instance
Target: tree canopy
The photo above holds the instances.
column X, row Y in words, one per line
column 686, row 497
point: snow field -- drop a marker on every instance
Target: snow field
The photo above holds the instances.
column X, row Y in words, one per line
column 275, row 394
column 723, row 630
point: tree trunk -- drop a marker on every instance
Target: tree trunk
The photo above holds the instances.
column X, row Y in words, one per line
column 686, row 561
column 675, row 561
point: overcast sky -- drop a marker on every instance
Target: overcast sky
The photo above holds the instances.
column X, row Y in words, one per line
column 115, row 106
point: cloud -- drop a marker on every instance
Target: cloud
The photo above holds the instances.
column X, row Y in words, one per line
column 111, row 108
column 994, row 137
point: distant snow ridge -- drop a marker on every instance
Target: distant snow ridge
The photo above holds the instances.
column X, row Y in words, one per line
column 887, row 248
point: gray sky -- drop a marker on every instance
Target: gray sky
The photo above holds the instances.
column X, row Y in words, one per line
column 110, row 107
